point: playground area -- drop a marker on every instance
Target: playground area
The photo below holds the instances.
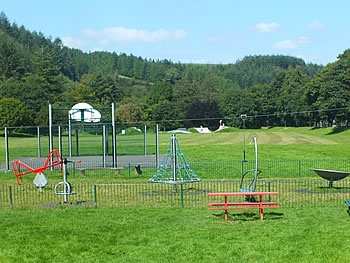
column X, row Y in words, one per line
column 151, row 178
column 307, row 203
column 301, row 193
column 156, row 173
column 140, row 183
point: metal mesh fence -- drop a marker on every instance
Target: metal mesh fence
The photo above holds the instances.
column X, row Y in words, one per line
column 98, row 186
column 82, row 140
column 292, row 193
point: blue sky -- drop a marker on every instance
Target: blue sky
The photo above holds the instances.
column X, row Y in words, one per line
column 193, row 31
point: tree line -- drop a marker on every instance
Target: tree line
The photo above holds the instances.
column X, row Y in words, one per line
column 273, row 90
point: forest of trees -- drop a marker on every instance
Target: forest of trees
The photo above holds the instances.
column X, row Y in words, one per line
column 274, row 90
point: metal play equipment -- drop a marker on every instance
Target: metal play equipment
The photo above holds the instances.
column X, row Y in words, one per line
column 64, row 188
column 52, row 160
column 249, row 184
column 40, row 181
column 330, row 175
column 174, row 168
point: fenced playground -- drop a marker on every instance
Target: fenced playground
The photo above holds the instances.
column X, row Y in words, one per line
column 97, row 183
column 106, row 188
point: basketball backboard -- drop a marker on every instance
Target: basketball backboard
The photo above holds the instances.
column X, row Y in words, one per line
column 84, row 112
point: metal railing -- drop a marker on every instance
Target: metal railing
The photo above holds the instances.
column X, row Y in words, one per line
column 231, row 169
column 292, row 193
column 297, row 185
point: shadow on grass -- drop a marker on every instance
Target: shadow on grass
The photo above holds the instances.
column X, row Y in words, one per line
column 337, row 130
column 251, row 216
column 323, row 190
column 333, row 188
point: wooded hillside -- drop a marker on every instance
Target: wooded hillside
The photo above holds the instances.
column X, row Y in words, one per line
column 36, row 70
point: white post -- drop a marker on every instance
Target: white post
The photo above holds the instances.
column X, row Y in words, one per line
column 104, row 135
column 60, row 140
column 145, row 140
column 69, row 134
column 256, row 153
column 7, row 150
column 114, row 141
column 39, row 148
column 174, row 156
column 157, row 146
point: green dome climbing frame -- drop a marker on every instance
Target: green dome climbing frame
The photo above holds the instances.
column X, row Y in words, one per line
column 174, row 168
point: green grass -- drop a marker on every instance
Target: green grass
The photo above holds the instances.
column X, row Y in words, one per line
column 174, row 235
column 279, row 142
column 67, row 234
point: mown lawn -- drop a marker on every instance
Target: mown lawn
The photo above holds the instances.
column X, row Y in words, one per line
column 174, row 235
column 318, row 234
column 274, row 143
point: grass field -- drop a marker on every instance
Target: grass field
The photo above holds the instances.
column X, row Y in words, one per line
column 174, row 235
column 314, row 234
column 274, row 143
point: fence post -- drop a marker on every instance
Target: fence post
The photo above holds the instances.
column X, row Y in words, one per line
column 10, row 192
column 182, row 195
column 95, row 196
column 7, row 150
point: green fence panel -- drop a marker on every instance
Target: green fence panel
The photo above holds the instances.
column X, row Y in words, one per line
column 292, row 193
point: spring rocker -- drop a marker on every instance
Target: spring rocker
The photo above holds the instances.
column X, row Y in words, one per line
column 40, row 181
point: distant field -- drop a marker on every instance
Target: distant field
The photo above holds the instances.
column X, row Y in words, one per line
column 276, row 136
column 274, row 143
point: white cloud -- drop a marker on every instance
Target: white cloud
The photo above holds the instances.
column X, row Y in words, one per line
column 266, row 28
column 122, row 34
column 316, row 26
column 214, row 40
column 292, row 44
column 73, row 42
column 303, row 40
column 90, row 33
column 286, row 44
column 312, row 59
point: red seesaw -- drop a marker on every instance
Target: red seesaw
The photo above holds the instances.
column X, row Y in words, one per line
column 53, row 159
